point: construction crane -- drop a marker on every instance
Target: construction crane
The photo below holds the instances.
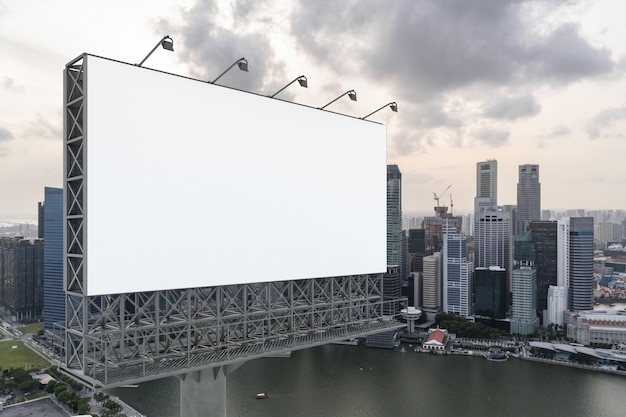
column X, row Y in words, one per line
column 451, row 206
column 441, row 194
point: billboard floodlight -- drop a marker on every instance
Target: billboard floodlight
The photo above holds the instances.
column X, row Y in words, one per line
column 393, row 105
column 350, row 93
column 301, row 80
column 242, row 63
column 166, row 42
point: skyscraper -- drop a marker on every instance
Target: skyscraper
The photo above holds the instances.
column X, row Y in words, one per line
column 543, row 235
column 557, row 304
column 487, row 180
column 394, row 215
column 491, row 293
column 562, row 253
column 581, row 263
column 528, row 198
column 21, row 276
column 492, row 238
column 524, row 309
column 54, row 295
column 431, row 284
column 457, row 274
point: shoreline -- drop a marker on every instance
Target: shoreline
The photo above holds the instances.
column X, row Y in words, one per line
column 573, row 365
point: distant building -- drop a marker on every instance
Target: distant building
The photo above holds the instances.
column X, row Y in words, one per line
column 391, row 290
column 543, row 236
column 54, row 294
column 21, row 262
column 492, row 238
column 487, row 181
column 604, row 233
column 593, row 326
column 556, row 305
column 431, row 285
column 417, row 249
column 491, row 294
column 581, row 263
column 394, row 215
column 528, row 198
column 434, row 227
column 457, row 274
column 524, row 308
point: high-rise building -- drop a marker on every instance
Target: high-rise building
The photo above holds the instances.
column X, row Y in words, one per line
column 491, row 292
column 562, row 253
column 21, row 262
column 394, row 215
column 431, row 284
column 492, row 238
column 528, row 198
column 487, row 180
column 557, row 304
column 524, row 319
column 417, row 249
column 391, row 290
column 543, row 236
column 581, row 263
column 7, row 269
column 457, row 274
column 603, row 233
column 54, row 294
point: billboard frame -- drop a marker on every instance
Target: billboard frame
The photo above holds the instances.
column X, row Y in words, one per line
column 115, row 339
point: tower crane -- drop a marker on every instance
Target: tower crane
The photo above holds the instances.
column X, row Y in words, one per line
column 441, row 194
column 451, row 206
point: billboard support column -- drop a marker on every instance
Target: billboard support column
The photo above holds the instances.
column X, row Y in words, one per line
column 205, row 391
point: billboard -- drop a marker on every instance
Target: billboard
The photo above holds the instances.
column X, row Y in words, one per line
column 190, row 184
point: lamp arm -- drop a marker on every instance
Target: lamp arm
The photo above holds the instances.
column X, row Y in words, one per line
column 153, row 49
column 322, row 108
column 294, row 80
column 365, row 117
column 227, row 69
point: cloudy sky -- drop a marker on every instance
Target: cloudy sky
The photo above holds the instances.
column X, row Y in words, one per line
column 539, row 82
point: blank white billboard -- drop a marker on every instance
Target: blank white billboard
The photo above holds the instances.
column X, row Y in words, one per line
column 190, row 184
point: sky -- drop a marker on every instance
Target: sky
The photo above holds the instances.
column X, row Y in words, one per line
column 522, row 82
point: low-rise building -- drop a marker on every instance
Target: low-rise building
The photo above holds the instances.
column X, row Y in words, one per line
column 436, row 340
column 596, row 326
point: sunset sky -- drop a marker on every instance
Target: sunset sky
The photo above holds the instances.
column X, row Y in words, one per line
column 541, row 82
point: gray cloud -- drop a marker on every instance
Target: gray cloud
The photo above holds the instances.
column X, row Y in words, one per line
column 5, row 134
column 512, row 107
column 8, row 83
column 556, row 131
column 209, row 48
column 43, row 128
column 423, row 51
column 432, row 46
column 600, row 123
column 492, row 137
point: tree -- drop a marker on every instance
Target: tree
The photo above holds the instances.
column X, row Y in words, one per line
column 63, row 396
column 83, row 406
column 112, row 406
column 100, row 397
column 50, row 386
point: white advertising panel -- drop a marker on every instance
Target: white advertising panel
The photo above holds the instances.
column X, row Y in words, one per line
column 190, row 184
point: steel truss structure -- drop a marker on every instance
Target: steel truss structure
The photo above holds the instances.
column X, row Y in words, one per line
column 112, row 340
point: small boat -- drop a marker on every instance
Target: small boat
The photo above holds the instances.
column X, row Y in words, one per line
column 261, row 395
column 496, row 356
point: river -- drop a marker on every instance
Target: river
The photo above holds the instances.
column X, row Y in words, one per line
column 336, row 380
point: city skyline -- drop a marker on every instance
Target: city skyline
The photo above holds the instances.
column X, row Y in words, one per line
column 520, row 82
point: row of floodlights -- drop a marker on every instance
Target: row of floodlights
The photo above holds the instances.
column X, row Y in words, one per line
column 168, row 44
